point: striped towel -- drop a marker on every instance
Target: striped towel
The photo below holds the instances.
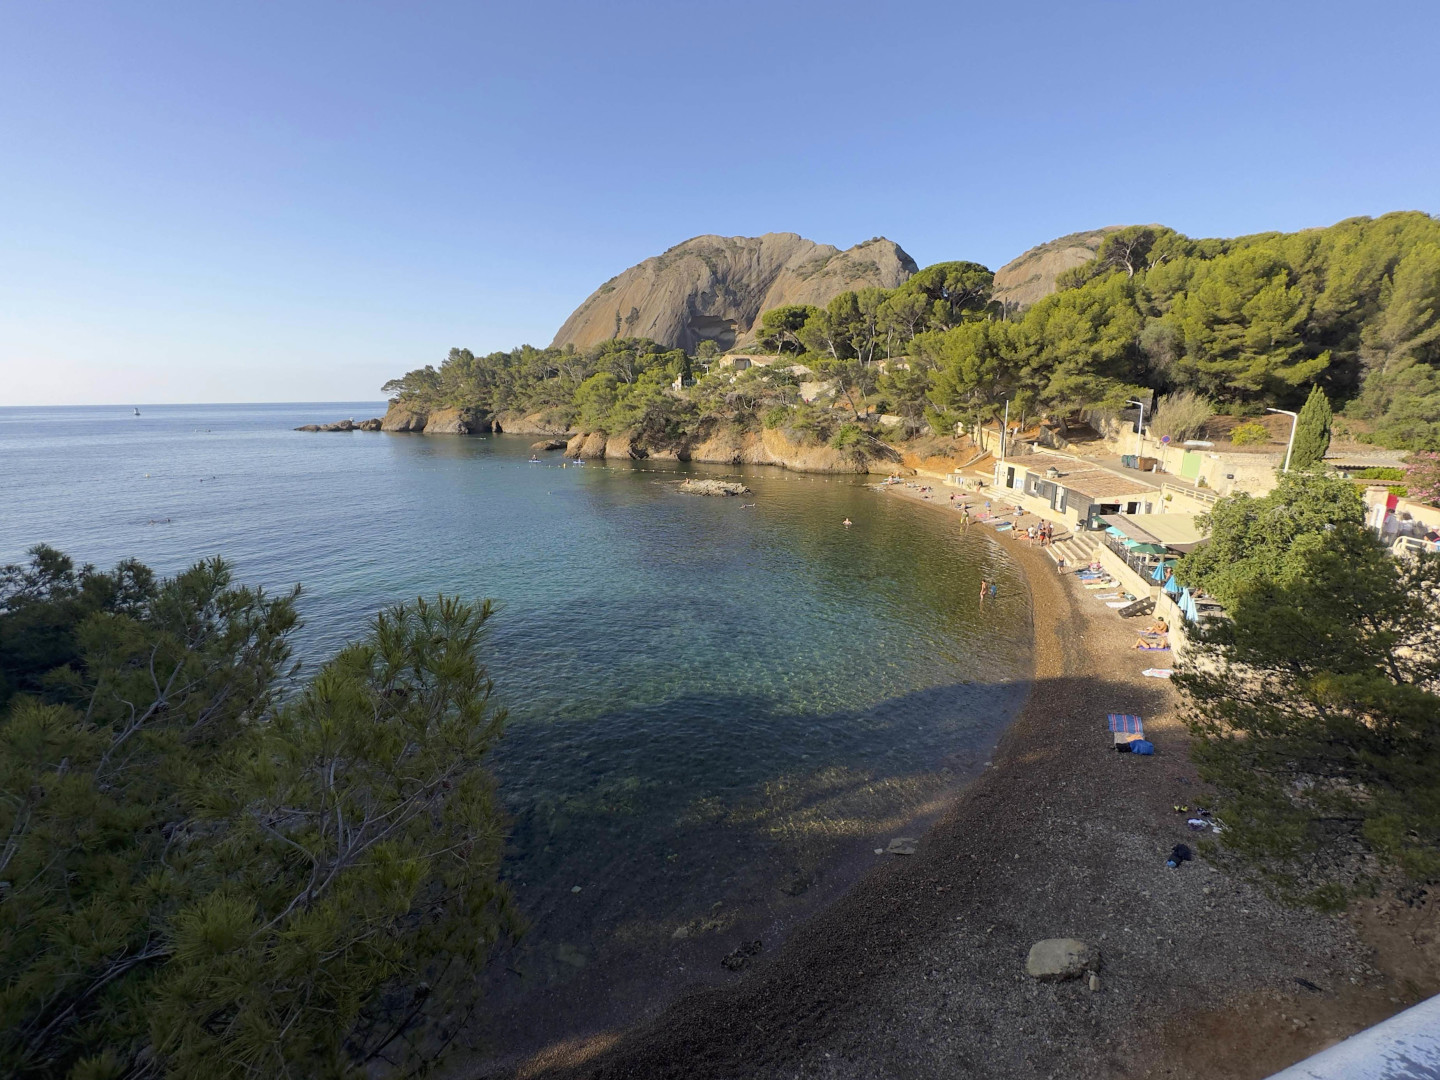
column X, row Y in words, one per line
column 1131, row 725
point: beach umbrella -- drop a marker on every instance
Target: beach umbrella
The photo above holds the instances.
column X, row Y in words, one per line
column 1172, row 587
column 1191, row 611
column 1159, row 574
column 1145, row 549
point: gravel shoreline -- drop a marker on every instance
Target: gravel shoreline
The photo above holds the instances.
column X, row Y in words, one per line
column 918, row 970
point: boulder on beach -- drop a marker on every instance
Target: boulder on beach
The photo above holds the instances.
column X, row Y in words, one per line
column 713, row 487
column 1061, row 958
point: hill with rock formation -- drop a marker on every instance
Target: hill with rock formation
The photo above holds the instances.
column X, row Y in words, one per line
column 717, row 287
column 1031, row 276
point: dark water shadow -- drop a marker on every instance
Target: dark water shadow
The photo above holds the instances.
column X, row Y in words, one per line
column 674, row 873
column 698, row 1012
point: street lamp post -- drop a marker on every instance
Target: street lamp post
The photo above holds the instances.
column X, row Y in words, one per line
column 1139, row 428
column 1294, row 423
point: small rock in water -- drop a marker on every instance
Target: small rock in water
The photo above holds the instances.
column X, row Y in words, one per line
column 1061, row 958
column 902, row 845
column 740, row 957
column 575, row 888
column 713, row 487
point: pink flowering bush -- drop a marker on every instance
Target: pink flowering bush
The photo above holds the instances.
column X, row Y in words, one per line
column 1422, row 476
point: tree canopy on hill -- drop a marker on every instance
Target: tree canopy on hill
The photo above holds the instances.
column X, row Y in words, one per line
column 1251, row 322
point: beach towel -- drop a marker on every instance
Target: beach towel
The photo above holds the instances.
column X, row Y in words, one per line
column 1100, row 585
column 1158, row 672
column 1108, row 596
column 1131, row 725
column 1152, row 648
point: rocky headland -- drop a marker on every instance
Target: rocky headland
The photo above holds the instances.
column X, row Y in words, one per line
column 716, row 288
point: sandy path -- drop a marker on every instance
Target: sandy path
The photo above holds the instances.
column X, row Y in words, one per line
column 918, row 971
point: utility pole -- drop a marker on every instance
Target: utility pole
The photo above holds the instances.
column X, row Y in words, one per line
column 1294, row 423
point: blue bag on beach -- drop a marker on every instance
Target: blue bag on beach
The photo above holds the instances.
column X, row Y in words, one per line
column 1141, row 746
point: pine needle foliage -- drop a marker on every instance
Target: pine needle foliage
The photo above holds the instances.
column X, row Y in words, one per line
column 201, row 878
column 1315, row 704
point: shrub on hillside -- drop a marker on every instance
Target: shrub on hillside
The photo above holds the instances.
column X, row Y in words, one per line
column 1250, row 433
column 1181, row 415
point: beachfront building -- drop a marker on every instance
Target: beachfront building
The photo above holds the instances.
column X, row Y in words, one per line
column 1072, row 490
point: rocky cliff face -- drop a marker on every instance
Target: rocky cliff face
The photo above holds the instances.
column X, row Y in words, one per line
column 435, row 422
column 1023, row 280
column 721, row 444
column 717, row 287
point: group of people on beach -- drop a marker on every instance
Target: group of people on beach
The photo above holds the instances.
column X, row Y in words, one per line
column 1044, row 531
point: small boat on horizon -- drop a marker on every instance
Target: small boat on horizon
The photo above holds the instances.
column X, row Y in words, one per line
column 137, row 412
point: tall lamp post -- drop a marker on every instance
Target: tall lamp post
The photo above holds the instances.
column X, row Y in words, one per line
column 1140, row 427
column 1294, row 423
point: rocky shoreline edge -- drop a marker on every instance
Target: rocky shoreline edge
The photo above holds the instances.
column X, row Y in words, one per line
column 920, row 969
column 714, row 444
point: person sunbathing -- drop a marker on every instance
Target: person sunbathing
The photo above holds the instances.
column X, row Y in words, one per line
column 1157, row 627
column 1154, row 644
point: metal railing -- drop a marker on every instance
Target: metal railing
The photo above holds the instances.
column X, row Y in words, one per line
column 1144, row 565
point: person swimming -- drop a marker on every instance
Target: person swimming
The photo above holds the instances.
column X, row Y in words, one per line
column 847, row 523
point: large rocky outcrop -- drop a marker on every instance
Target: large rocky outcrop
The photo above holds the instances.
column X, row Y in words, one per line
column 717, row 287
column 1025, row 279
column 515, row 422
column 435, row 421
column 727, row 445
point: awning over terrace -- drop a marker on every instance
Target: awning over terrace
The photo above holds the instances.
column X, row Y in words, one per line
column 1174, row 532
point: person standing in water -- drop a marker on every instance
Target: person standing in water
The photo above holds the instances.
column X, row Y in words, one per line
column 984, row 591
column 847, row 523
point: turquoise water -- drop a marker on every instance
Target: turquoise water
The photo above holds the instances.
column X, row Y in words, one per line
column 716, row 712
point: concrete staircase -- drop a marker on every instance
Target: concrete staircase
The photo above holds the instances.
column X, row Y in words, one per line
column 1077, row 549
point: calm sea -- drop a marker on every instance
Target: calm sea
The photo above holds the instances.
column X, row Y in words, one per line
column 717, row 711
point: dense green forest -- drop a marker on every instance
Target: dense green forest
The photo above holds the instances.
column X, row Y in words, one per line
column 1238, row 324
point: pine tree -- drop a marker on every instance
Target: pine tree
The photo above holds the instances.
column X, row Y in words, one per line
column 1315, row 712
column 205, row 878
column 1312, row 431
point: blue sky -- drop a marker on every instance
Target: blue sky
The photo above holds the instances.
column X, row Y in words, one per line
column 289, row 202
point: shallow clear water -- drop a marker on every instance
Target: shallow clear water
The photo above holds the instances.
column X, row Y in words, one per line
column 716, row 712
